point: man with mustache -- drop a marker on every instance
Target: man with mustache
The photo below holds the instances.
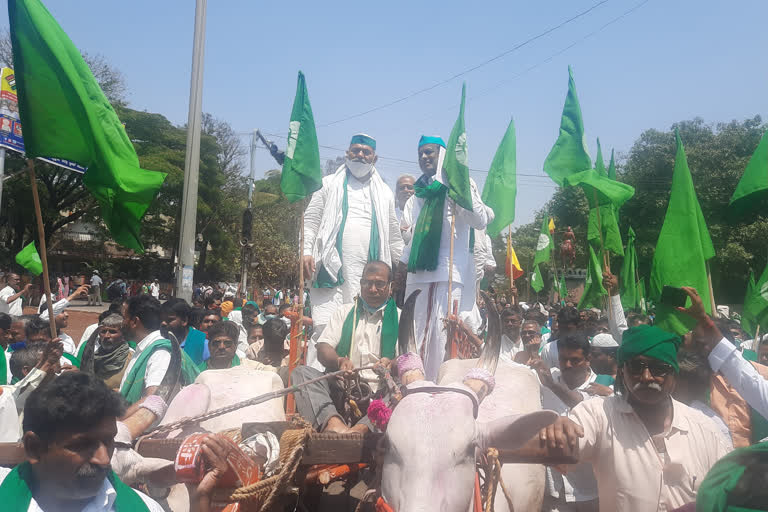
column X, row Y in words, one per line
column 648, row 451
column 429, row 216
column 350, row 221
column 69, row 437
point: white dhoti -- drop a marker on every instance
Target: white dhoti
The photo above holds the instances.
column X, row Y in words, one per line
column 429, row 329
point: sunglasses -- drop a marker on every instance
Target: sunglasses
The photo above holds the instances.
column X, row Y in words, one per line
column 638, row 367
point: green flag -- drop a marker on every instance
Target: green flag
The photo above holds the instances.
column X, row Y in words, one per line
column 641, row 296
column 302, row 173
column 748, row 321
column 753, row 186
column 683, row 248
column 30, row 259
column 501, row 184
column 608, row 196
column 612, row 167
column 543, row 244
column 455, row 171
column 756, row 305
column 66, row 115
column 628, row 285
column 569, row 154
column 599, row 164
column 593, row 286
column 537, row 282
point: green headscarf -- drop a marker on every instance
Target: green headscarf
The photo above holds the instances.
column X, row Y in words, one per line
column 723, row 478
column 650, row 341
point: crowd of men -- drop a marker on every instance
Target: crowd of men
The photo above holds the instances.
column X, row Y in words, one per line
column 652, row 417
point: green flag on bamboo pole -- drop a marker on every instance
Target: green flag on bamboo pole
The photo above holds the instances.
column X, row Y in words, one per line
column 612, row 167
column 455, row 171
column 66, row 115
column 563, row 289
column 756, row 306
column 642, row 296
column 302, row 173
column 748, row 321
column 628, row 285
column 500, row 186
column 537, row 282
column 543, row 244
column 599, row 164
column 569, row 154
column 683, row 248
column 30, row 259
column 593, row 286
column 753, row 185
column 608, row 195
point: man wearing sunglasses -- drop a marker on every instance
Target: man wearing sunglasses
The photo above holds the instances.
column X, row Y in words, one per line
column 648, row 451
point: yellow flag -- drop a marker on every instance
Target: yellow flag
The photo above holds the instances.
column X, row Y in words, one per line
column 551, row 226
column 513, row 268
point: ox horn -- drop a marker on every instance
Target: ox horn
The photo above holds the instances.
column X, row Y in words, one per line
column 170, row 384
column 406, row 339
column 489, row 357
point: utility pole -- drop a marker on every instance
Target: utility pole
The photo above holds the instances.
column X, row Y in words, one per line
column 185, row 267
column 245, row 240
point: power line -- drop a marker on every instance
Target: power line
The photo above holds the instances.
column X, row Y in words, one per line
column 469, row 70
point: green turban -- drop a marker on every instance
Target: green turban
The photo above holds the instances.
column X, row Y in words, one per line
column 646, row 340
column 362, row 138
column 434, row 139
column 715, row 490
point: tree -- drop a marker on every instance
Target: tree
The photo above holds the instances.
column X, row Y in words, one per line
column 332, row 165
column 717, row 155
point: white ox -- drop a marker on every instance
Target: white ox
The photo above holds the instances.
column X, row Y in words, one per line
column 432, row 437
column 214, row 389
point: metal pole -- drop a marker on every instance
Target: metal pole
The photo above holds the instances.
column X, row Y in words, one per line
column 2, row 173
column 252, row 177
column 185, row 267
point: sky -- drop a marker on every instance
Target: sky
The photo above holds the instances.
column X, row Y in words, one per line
column 637, row 65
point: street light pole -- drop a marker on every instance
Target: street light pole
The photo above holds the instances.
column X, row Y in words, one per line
column 245, row 241
column 185, row 267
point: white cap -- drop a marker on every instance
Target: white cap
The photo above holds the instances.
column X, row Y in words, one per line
column 604, row 340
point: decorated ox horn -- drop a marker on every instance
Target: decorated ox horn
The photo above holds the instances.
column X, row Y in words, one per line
column 170, row 384
column 489, row 358
column 405, row 337
column 86, row 361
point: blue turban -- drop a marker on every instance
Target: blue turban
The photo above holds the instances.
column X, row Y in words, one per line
column 434, row 139
column 362, row 138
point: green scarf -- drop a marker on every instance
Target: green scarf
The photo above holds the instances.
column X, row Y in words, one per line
column 323, row 277
column 15, row 491
column 389, row 325
column 133, row 386
column 714, row 491
column 72, row 359
column 3, row 367
column 204, row 365
column 425, row 246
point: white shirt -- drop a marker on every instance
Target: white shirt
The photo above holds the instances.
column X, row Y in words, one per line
column 366, row 338
column 15, row 307
column 58, row 307
column 95, row 280
column 157, row 365
column 579, row 483
column 87, row 333
column 709, row 413
column 742, row 376
column 12, row 402
column 510, row 348
column 68, row 343
column 616, row 320
column 242, row 337
column 463, row 260
column 104, row 501
column 154, row 290
column 549, row 354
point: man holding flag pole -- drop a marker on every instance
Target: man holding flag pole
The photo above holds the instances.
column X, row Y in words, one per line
column 439, row 216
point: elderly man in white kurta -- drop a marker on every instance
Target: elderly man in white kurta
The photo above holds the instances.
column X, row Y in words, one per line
column 432, row 305
column 350, row 221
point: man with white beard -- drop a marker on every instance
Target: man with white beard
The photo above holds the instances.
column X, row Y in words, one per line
column 427, row 216
column 350, row 221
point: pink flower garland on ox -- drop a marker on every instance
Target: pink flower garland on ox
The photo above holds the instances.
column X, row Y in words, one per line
column 379, row 414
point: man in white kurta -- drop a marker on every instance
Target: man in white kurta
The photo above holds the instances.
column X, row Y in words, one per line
column 334, row 256
column 432, row 304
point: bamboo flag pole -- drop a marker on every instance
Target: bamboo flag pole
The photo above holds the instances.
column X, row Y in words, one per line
column 296, row 327
column 511, row 268
column 450, row 258
column 41, row 241
column 553, row 264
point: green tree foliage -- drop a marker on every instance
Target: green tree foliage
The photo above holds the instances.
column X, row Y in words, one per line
column 717, row 155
